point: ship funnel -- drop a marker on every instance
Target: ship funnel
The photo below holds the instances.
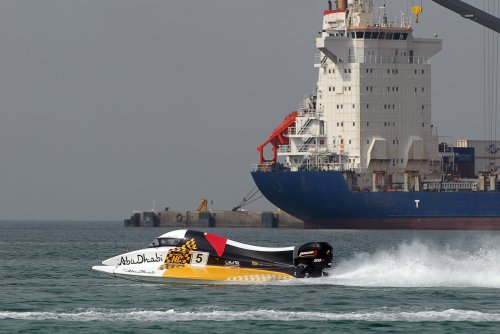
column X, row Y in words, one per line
column 341, row 4
column 329, row 5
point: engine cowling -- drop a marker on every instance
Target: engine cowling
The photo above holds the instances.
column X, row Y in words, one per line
column 313, row 258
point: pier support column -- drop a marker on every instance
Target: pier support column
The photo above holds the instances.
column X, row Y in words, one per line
column 406, row 182
column 374, row 182
column 493, row 182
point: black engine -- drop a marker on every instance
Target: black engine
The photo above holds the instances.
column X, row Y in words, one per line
column 312, row 258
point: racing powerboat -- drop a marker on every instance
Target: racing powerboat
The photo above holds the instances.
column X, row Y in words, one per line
column 188, row 256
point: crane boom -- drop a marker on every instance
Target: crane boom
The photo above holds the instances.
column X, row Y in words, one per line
column 471, row 13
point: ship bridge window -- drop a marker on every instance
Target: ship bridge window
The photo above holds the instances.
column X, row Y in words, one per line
column 368, row 34
column 389, row 35
column 353, row 34
column 165, row 242
column 382, row 35
column 375, row 35
column 404, row 36
column 359, row 34
column 397, row 35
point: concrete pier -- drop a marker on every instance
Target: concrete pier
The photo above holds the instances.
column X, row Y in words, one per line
column 217, row 218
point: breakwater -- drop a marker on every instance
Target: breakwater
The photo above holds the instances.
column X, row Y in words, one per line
column 216, row 218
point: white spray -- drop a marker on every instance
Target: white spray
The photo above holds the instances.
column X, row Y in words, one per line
column 417, row 264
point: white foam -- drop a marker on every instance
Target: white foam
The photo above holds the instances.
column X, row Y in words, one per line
column 254, row 315
column 419, row 265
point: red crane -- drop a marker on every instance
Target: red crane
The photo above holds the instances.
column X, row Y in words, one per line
column 278, row 137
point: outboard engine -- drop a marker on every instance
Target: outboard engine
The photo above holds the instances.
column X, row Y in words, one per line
column 313, row 258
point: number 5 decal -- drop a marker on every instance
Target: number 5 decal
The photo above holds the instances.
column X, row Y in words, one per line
column 199, row 259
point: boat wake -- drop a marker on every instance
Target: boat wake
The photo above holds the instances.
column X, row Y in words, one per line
column 252, row 315
column 418, row 264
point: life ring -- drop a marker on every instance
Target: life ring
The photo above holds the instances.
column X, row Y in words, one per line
column 179, row 217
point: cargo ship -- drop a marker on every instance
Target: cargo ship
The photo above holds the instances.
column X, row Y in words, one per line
column 362, row 152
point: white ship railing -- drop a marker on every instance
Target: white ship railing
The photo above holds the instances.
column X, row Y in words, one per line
column 315, row 148
column 450, row 186
column 394, row 59
column 319, row 58
column 284, row 149
column 378, row 59
column 310, row 132
column 333, row 166
column 311, row 113
column 308, row 148
column 339, row 167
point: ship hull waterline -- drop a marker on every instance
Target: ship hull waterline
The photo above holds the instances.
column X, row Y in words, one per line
column 404, row 223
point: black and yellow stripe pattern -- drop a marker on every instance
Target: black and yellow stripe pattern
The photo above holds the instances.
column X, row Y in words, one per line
column 180, row 256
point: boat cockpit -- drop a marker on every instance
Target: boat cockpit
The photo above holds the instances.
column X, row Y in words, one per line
column 165, row 242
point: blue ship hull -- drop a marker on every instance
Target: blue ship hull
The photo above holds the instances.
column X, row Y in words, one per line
column 323, row 200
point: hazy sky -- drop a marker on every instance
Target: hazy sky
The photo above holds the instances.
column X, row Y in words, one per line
column 109, row 105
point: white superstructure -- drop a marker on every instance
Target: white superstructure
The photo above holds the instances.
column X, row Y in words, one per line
column 371, row 111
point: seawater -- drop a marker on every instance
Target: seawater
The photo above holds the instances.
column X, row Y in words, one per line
column 382, row 281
